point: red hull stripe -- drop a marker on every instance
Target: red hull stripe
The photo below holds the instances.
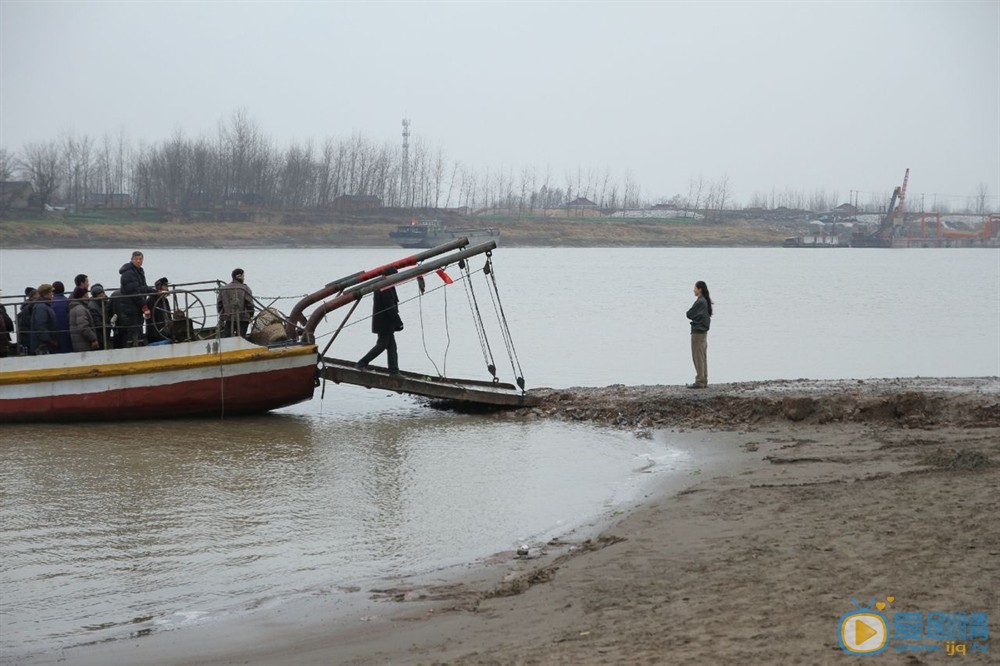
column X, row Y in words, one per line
column 158, row 365
column 218, row 396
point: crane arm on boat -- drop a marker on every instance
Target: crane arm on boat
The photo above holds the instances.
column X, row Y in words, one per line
column 358, row 291
column 297, row 317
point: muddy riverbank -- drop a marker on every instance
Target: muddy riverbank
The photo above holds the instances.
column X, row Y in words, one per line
column 814, row 493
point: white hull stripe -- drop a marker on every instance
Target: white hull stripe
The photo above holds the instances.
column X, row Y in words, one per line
column 153, row 379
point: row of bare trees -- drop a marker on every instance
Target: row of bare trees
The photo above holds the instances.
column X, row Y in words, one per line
column 240, row 164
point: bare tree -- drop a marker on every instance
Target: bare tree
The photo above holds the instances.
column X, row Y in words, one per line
column 76, row 162
column 451, row 183
column 40, row 162
column 758, row 200
column 696, row 192
column 438, row 174
column 722, row 194
column 632, row 194
column 982, row 196
column 8, row 163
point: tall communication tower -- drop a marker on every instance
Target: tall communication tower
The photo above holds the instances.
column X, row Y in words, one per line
column 404, row 188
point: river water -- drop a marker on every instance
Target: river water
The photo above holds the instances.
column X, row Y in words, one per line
column 112, row 529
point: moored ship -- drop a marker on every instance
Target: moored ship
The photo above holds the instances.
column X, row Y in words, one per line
column 431, row 233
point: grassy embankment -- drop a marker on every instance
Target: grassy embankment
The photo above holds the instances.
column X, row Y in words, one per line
column 154, row 229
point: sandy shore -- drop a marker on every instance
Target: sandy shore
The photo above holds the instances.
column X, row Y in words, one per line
column 819, row 492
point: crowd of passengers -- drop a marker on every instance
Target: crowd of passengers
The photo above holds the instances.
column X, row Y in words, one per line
column 136, row 314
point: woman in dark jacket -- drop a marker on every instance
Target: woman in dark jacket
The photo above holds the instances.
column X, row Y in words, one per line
column 700, row 315
column 385, row 323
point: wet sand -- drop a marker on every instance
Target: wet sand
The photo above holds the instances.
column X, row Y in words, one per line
column 820, row 492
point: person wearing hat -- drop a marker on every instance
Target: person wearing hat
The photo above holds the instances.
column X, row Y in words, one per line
column 236, row 308
column 101, row 314
column 158, row 328
column 43, row 338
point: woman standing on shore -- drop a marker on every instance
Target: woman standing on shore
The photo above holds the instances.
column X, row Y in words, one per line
column 700, row 315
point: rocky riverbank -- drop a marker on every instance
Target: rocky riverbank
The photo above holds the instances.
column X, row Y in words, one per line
column 910, row 402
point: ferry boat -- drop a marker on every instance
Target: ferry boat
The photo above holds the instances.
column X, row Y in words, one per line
column 202, row 373
column 431, row 233
column 224, row 376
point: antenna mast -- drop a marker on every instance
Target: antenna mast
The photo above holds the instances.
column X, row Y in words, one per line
column 405, row 176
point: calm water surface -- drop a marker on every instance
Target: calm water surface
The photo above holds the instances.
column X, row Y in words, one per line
column 110, row 528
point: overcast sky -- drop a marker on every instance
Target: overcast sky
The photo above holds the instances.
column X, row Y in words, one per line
column 802, row 95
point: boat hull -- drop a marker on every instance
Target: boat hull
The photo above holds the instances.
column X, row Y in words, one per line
column 215, row 378
column 414, row 239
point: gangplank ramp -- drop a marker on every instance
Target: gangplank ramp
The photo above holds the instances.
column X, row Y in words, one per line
column 439, row 388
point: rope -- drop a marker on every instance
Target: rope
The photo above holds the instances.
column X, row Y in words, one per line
column 477, row 320
column 423, row 337
column 484, row 343
column 502, row 318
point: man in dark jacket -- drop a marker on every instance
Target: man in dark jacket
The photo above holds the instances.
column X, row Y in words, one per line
column 60, row 305
column 385, row 323
column 235, row 304
column 24, row 321
column 6, row 328
column 101, row 314
column 43, row 339
column 134, row 291
column 158, row 327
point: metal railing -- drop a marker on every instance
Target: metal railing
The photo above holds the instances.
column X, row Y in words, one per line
column 184, row 312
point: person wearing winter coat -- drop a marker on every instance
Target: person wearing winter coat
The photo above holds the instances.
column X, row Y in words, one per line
column 100, row 313
column 81, row 324
column 158, row 326
column 135, row 289
column 235, row 304
column 43, row 338
column 24, row 321
column 60, row 305
column 385, row 323
column 700, row 315
column 6, row 328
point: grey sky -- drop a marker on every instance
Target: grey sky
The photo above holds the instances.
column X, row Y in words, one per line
column 806, row 95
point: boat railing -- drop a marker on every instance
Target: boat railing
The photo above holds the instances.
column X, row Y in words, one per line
column 184, row 312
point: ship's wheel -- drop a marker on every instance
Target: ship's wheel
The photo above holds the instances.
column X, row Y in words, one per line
column 187, row 316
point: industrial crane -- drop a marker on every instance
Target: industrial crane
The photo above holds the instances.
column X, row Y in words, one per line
column 892, row 223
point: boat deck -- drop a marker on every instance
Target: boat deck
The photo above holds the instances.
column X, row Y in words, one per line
column 438, row 388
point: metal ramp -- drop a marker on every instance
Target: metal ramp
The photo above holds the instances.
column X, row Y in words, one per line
column 438, row 388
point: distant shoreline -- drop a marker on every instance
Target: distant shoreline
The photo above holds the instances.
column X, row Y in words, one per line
column 360, row 231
